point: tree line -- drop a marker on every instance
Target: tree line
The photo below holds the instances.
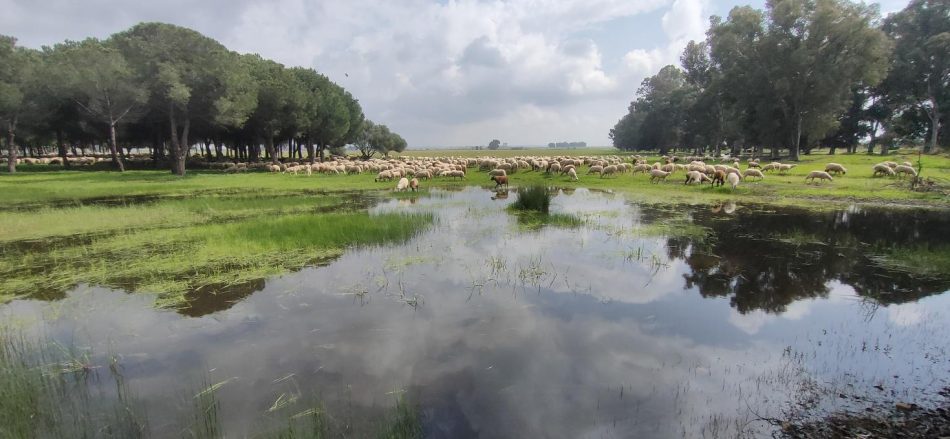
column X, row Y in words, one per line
column 169, row 88
column 799, row 75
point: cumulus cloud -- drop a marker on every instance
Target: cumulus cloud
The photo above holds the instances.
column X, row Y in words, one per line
column 440, row 73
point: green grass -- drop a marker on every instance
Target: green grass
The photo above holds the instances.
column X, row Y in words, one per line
column 176, row 262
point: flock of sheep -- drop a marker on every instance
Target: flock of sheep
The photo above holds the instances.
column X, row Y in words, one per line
column 408, row 172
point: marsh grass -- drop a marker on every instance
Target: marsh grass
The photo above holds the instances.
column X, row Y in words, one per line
column 41, row 398
column 921, row 260
column 173, row 262
column 533, row 198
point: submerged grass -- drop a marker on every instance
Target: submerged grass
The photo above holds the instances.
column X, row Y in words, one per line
column 921, row 260
column 534, row 199
column 532, row 208
column 45, row 396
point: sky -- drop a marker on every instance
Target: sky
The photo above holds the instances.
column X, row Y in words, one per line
column 440, row 73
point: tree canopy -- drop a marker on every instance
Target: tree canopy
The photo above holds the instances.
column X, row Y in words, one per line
column 170, row 88
column 799, row 74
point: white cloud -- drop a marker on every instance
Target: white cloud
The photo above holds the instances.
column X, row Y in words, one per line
column 450, row 73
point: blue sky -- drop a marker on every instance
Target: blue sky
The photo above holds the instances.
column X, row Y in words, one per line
column 441, row 73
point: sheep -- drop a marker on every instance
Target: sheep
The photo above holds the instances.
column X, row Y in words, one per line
column 656, row 175
column 610, row 170
column 402, row 185
column 497, row 172
column 785, row 168
column 905, row 170
column 572, row 173
column 414, row 184
column 835, row 169
column 733, row 180
column 908, row 164
column 820, row 175
column 669, row 167
column 272, row 168
column 696, row 176
column 753, row 173
column 554, row 168
column 881, row 169
column 568, row 168
column 719, row 178
column 641, row 168
column 384, row 176
column 596, row 169
column 459, row 174
column 500, row 180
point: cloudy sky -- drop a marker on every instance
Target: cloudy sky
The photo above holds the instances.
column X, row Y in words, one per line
column 441, row 73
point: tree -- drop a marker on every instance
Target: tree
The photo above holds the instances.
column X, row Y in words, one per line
column 920, row 68
column 17, row 66
column 494, row 144
column 280, row 98
column 190, row 77
column 363, row 141
column 99, row 80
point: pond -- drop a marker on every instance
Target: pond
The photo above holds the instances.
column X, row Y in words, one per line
column 638, row 320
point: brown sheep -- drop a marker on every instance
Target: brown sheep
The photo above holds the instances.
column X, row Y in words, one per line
column 719, row 178
column 500, row 180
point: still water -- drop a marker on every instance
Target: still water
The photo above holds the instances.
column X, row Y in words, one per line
column 644, row 321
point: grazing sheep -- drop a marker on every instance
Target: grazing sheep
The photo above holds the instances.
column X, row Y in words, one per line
column 568, row 168
column 641, row 168
column 610, row 170
column 908, row 164
column 453, row 174
column 903, row 170
column 733, row 180
column 696, row 176
column 572, row 173
column 881, row 169
column 719, row 178
column 834, row 168
column 656, row 175
column 273, row 168
column 782, row 168
column 497, row 172
column 384, row 176
column 753, row 173
column 596, row 169
column 402, row 185
column 892, row 165
column 669, row 167
column 500, row 180
column 414, row 184
column 554, row 168
column 820, row 175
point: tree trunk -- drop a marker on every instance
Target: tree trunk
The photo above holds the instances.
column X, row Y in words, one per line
column 62, row 148
column 179, row 144
column 793, row 153
column 269, row 146
column 934, row 114
column 11, row 146
column 310, row 151
column 116, row 160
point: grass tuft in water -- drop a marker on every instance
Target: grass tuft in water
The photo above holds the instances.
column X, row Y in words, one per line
column 533, row 198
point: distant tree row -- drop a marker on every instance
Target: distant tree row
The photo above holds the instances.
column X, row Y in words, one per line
column 170, row 88
column 801, row 74
column 567, row 145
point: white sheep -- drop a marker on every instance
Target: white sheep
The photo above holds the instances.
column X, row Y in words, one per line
column 402, row 185
column 696, row 176
column 753, row 173
column 903, row 170
column 881, row 169
column 834, row 168
column 656, row 175
column 497, row 172
column 596, row 169
column 820, row 175
column 609, row 170
column 384, row 176
column 733, row 180
column 572, row 173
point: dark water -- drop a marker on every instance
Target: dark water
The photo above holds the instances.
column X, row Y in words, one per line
column 647, row 321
